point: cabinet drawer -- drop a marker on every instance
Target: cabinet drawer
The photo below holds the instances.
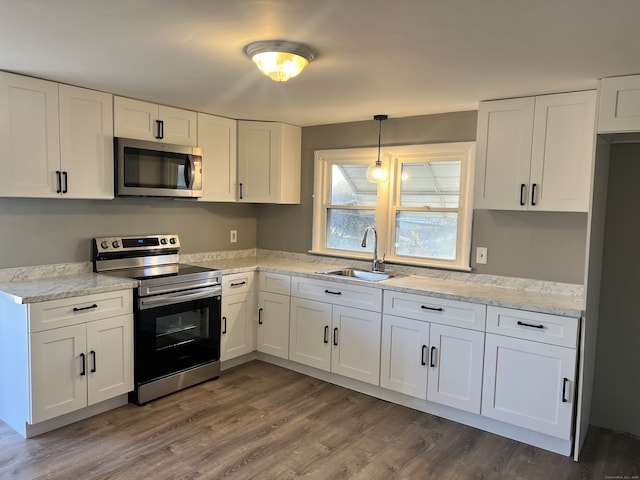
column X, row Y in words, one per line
column 540, row 327
column 436, row 310
column 74, row 310
column 237, row 283
column 274, row 282
column 367, row 298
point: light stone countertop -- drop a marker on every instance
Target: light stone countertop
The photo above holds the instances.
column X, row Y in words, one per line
column 38, row 284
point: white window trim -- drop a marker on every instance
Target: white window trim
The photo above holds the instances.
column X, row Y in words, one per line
column 388, row 193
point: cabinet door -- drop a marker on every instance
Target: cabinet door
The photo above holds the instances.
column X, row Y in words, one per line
column 86, row 142
column 503, row 154
column 29, row 137
column 562, row 152
column 273, row 324
column 135, row 119
column 179, row 126
column 109, row 358
column 310, row 333
column 217, row 137
column 58, row 372
column 529, row 384
column 355, row 340
column 619, row 105
column 455, row 364
column 403, row 363
column 237, row 325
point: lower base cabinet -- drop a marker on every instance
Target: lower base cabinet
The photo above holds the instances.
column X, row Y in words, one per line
column 237, row 332
column 273, row 314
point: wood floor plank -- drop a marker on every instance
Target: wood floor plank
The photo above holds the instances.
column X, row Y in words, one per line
column 259, row 421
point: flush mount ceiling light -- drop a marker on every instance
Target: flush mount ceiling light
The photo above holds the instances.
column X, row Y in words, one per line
column 280, row 60
column 377, row 173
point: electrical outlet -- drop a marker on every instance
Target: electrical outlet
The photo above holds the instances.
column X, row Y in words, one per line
column 481, row 255
column 234, row 236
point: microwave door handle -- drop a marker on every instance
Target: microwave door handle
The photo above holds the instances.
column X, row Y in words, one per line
column 188, row 172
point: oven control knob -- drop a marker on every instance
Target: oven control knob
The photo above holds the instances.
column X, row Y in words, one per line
column 104, row 244
column 172, row 240
column 115, row 244
column 163, row 241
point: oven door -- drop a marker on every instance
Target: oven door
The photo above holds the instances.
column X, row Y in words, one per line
column 172, row 335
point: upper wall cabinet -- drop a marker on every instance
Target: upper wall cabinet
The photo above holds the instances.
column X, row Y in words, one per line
column 619, row 105
column 269, row 162
column 535, row 153
column 55, row 140
column 149, row 121
column 217, row 137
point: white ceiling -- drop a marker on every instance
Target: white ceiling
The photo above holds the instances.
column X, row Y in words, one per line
column 398, row 57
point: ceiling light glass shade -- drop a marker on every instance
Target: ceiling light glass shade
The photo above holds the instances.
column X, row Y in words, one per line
column 279, row 60
column 377, row 173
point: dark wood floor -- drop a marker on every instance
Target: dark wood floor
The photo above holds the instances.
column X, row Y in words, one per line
column 265, row 422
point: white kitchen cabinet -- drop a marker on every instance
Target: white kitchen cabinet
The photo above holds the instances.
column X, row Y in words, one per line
column 455, row 367
column 55, row 140
column 269, row 157
column 66, row 355
column 327, row 331
column 530, row 383
column 217, row 136
column 157, row 123
column 238, row 308
column 273, row 314
column 619, row 110
column 86, row 142
column 403, row 362
column 535, row 153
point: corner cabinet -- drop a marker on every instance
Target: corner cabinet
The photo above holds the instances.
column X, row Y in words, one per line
column 55, row 140
column 535, row 153
column 530, row 370
column 238, row 310
column 153, row 122
column 217, row 136
column 269, row 157
column 66, row 355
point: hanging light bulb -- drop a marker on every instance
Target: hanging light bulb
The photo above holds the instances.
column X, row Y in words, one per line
column 377, row 173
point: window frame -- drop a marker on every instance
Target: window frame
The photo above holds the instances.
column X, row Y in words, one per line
column 388, row 199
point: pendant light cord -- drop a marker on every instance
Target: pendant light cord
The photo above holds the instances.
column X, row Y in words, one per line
column 380, row 118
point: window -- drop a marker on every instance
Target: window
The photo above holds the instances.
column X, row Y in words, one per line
column 422, row 213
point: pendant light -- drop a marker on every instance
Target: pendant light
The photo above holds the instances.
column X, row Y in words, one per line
column 280, row 60
column 377, row 173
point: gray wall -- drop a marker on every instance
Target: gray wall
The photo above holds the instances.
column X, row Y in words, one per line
column 49, row 231
column 617, row 383
column 545, row 246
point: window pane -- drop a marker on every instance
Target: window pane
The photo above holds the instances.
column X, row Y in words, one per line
column 430, row 184
column 349, row 186
column 426, row 234
column 345, row 228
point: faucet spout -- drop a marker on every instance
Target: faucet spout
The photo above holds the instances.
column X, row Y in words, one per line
column 377, row 263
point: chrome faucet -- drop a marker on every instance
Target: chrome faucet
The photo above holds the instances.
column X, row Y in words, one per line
column 378, row 264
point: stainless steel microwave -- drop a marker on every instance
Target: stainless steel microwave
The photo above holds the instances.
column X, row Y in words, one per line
column 154, row 169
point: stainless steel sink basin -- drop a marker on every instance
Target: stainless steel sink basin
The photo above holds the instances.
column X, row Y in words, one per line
column 359, row 274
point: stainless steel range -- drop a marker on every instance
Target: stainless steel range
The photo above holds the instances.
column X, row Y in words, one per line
column 176, row 312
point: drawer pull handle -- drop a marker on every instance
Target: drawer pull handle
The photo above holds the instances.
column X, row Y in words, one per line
column 432, row 362
column 326, row 334
column 435, row 309
column 423, row 359
column 84, row 364
column 259, row 316
column 530, row 325
column 79, row 309
column 239, row 284
column 224, row 329
column 565, row 382
column 335, row 336
column 93, row 358
column 332, row 292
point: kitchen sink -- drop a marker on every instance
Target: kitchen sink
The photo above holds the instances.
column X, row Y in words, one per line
column 359, row 274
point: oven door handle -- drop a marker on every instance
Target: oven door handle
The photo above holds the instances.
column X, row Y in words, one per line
column 178, row 297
